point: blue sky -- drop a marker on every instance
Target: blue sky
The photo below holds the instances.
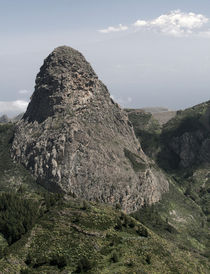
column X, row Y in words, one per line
column 148, row 53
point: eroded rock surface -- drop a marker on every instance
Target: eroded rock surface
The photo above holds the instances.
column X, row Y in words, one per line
column 186, row 138
column 74, row 137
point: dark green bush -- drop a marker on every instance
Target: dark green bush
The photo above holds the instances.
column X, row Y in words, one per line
column 150, row 217
column 118, row 206
column 51, row 199
column 84, row 265
column 142, row 231
column 148, row 259
column 59, row 260
column 118, row 226
column 131, row 223
column 85, row 205
column 115, row 257
column 17, row 216
column 25, row 271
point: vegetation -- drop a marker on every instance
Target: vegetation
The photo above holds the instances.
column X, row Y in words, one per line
column 93, row 244
column 17, row 216
column 147, row 130
column 183, row 214
column 42, row 232
column 136, row 162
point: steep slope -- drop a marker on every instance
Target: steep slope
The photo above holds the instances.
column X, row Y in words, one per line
column 81, row 237
column 185, row 139
column 12, row 175
column 147, row 130
column 74, row 138
column 185, row 153
column 181, row 149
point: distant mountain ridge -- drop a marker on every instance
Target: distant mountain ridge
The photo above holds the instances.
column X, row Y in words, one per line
column 161, row 114
column 5, row 119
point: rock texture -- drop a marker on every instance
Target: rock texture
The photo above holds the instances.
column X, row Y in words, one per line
column 75, row 138
column 186, row 137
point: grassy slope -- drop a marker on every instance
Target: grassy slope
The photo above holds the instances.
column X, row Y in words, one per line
column 69, row 232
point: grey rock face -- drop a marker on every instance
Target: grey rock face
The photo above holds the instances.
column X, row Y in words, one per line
column 73, row 137
column 187, row 146
column 186, row 138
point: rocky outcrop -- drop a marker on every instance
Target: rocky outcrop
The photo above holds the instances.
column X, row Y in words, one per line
column 186, row 138
column 75, row 138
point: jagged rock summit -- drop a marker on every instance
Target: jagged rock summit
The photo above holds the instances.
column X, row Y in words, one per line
column 75, row 138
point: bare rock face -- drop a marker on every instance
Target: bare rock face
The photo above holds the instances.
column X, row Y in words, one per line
column 74, row 138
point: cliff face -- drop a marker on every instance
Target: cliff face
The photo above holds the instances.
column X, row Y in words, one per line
column 75, row 138
column 186, row 138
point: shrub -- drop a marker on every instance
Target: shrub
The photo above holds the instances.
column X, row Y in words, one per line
column 126, row 221
column 115, row 257
column 84, row 265
column 118, row 206
column 148, row 259
column 17, row 216
column 59, row 260
column 85, row 205
column 142, row 231
column 131, row 223
column 51, row 199
column 118, row 226
column 25, row 271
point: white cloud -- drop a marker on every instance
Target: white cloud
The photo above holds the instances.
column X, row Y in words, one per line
column 114, row 29
column 140, row 23
column 13, row 106
column 175, row 23
column 23, row 91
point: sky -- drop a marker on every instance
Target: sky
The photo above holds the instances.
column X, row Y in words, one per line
column 148, row 53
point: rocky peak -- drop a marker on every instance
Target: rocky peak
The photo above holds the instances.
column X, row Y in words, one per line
column 64, row 74
column 75, row 138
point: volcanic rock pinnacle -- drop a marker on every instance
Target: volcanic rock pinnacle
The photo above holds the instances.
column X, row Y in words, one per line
column 75, row 138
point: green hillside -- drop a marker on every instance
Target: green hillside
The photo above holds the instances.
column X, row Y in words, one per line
column 50, row 233
column 73, row 236
column 182, row 150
